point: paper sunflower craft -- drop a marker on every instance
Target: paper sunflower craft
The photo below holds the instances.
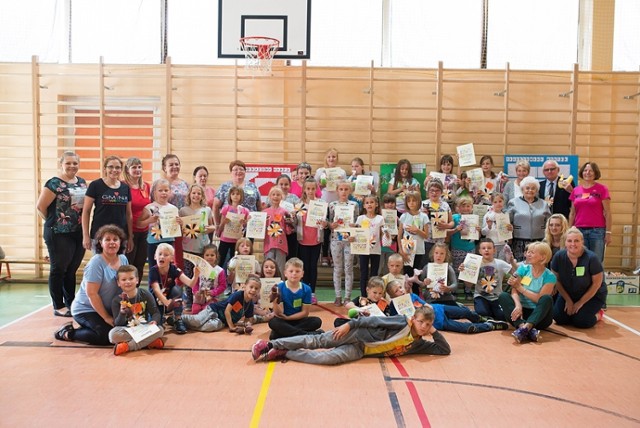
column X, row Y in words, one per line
column 156, row 232
column 274, row 230
column 488, row 283
column 300, row 208
column 408, row 244
column 191, row 230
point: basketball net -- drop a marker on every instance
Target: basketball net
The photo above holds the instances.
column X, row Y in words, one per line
column 259, row 52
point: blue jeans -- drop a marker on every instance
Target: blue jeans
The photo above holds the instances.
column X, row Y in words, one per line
column 488, row 308
column 453, row 313
column 65, row 254
column 93, row 330
column 594, row 240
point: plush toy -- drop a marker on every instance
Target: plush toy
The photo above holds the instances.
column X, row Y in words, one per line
column 415, row 279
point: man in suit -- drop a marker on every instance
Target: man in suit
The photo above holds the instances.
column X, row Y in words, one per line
column 557, row 197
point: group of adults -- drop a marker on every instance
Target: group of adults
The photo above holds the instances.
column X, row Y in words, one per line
column 66, row 204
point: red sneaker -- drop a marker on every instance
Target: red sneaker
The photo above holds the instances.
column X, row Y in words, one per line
column 156, row 344
column 121, row 348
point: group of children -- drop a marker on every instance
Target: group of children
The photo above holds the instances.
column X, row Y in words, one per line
column 294, row 246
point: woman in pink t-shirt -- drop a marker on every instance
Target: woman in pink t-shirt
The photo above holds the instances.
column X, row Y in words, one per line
column 591, row 209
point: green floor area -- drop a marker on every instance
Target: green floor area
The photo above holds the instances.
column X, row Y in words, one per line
column 18, row 299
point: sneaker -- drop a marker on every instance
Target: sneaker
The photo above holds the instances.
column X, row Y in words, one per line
column 337, row 302
column 170, row 320
column 63, row 332
column 483, row 318
column 534, row 335
column 314, row 299
column 121, row 348
column 325, row 262
column 600, row 315
column 156, row 344
column 179, row 327
column 275, row 354
column 259, row 350
column 346, row 300
column 498, row 325
column 468, row 295
column 520, row 334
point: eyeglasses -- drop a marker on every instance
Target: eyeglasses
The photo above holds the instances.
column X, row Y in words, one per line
column 111, row 167
column 237, row 169
column 549, row 169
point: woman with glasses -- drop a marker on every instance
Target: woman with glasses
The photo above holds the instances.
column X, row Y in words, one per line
column 111, row 198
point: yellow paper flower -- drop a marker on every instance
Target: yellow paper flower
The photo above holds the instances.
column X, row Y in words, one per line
column 488, row 283
column 408, row 244
column 190, row 231
column 274, row 230
column 156, row 232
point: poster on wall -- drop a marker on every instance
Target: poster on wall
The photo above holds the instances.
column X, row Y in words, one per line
column 265, row 176
column 568, row 164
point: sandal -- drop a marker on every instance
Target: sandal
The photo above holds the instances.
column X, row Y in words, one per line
column 66, row 314
column 63, row 332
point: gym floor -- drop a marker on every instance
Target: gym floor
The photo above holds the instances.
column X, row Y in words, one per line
column 572, row 378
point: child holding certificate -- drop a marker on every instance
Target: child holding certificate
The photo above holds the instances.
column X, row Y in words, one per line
column 309, row 237
column 490, row 225
column 439, row 277
column 244, row 247
column 439, row 213
column 370, row 304
column 446, row 316
column 136, row 325
column 238, row 215
column 402, row 183
column 373, row 221
column 196, row 229
column 328, row 178
column 461, row 247
column 279, row 223
column 413, row 229
column 342, row 215
column 208, row 288
column 152, row 217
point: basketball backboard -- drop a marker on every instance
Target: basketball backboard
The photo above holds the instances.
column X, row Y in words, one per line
column 286, row 20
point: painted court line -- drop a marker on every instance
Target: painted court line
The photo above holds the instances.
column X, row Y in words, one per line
column 393, row 397
column 262, row 397
column 618, row 323
column 413, row 393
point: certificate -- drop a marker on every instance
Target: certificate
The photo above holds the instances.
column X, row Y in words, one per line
column 192, row 225
column 390, row 220
column 169, row 222
column 438, row 217
column 437, row 273
column 256, row 225
column 244, row 266
column 362, row 184
column 466, row 155
column 344, row 214
column 480, row 210
column 477, row 178
column 361, row 244
column 471, row 270
column 142, row 331
column 404, row 305
column 333, row 176
column 233, row 228
column 373, row 309
column 470, row 223
column 266, row 284
column 203, row 266
column 316, row 213
column 287, row 206
column 502, row 221
column 438, row 176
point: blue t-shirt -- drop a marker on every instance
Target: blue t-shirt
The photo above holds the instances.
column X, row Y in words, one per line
column 536, row 284
column 165, row 282
column 292, row 301
column 239, row 307
column 98, row 271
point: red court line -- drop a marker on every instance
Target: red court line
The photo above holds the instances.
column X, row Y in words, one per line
column 413, row 392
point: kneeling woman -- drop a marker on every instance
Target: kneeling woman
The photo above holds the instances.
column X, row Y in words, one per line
column 581, row 285
column 529, row 306
column 92, row 305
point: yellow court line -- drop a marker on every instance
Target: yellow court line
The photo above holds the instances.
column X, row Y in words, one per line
column 262, row 397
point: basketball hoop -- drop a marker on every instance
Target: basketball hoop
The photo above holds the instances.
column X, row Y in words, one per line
column 259, row 52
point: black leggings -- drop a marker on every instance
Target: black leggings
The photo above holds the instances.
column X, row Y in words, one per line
column 286, row 328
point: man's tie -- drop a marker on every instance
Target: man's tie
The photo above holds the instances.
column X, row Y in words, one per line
column 550, row 192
